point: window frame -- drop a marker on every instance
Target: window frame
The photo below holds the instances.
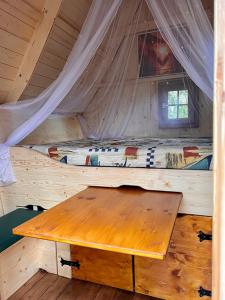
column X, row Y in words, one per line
column 178, row 84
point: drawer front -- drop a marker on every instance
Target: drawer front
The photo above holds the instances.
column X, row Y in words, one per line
column 103, row 267
column 187, row 266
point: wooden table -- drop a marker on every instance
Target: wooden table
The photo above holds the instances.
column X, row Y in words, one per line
column 125, row 220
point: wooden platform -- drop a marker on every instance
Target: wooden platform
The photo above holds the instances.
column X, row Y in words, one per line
column 45, row 286
column 124, row 220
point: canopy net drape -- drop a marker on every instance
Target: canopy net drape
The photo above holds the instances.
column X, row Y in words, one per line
column 126, row 51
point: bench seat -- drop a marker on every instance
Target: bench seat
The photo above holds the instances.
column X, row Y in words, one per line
column 11, row 220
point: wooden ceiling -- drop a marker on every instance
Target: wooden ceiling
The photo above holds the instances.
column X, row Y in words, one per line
column 36, row 37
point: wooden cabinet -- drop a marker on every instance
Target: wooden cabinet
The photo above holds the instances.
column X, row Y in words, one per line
column 103, row 267
column 187, row 266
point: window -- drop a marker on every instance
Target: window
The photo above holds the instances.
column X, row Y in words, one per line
column 178, row 103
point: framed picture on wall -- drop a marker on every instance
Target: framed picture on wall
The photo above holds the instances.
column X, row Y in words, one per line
column 155, row 56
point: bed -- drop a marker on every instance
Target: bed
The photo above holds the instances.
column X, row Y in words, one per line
column 189, row 154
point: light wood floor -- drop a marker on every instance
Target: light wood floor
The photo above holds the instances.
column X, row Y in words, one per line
column 45, row 286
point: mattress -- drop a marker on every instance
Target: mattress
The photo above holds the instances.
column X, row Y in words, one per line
column 190, row 154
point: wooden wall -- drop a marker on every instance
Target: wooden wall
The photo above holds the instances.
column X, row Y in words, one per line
column 18, row 20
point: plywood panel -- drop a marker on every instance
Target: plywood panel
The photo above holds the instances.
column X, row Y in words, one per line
column 103, row 267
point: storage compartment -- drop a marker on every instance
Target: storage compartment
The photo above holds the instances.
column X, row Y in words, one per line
column 103, row 267
column 186, row 272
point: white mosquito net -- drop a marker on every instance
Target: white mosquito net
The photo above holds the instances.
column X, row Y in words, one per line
column 99, row 82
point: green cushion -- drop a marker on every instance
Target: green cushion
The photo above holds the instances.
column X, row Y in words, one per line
column 11, row 220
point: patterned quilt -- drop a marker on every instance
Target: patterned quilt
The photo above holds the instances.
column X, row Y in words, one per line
column 191, row 154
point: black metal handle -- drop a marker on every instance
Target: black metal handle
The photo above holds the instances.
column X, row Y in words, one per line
column 33, row 207
column 75, row 264
column 204, row 236
column 202, row 292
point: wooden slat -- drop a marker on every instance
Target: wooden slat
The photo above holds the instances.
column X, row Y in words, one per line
column 7, row 72
column 12, row 42
column 52, row 60
column 55, row 48
column 46, row 71
column 32, row 91
column 131, row 221
column 40, row 81
column 10, row 58
column 34, row 50
column 5, row 83
column 103, row 267
column 17, row 13
column 219, row 158
column 15, row 26
column 27, row 9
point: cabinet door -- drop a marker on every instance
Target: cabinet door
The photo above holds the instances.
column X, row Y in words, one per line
column 187, row 266
column 103, row 267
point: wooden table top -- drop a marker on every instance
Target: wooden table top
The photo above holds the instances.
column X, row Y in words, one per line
column 125, row 220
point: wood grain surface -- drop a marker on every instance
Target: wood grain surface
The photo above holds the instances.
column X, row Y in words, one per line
column 187, row 267
column 124, row 220
column 103, row 267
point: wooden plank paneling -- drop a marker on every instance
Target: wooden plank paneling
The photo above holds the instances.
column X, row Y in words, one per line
column 103, row 267
column 58, row 46
column 52, row 60
column 15, row 26
column 187, row 267
column 43, row 178
column 10, row 58
column 12, row 42
column 7, row 72
column 28, row 7
column 34, row 49
column 19, row 14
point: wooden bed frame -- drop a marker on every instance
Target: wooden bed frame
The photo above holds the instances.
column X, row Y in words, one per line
column 43, row 181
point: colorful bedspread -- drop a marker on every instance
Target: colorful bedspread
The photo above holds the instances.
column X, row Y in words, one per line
column 191, row 154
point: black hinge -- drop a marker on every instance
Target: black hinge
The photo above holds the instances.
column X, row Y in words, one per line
column 75, row 264
column 202, row 292
column 33, row 207
column 204, row 236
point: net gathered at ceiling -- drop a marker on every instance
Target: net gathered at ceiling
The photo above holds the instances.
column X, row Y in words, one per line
column 110, row 79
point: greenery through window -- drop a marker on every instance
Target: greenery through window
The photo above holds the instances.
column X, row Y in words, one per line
column 178, row 104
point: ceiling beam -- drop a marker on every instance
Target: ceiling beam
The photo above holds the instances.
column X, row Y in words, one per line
column 34, row 49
